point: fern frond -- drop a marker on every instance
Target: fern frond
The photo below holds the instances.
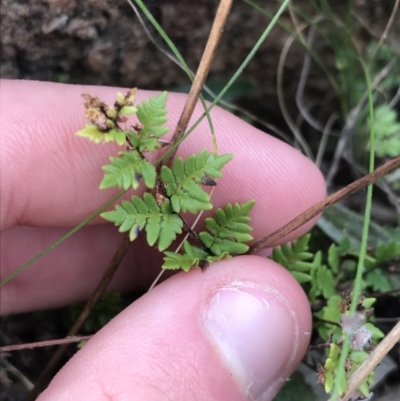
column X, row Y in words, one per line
column 192, row 256
column 93, row 133
column 183, row 182
column 152, row 114
column 126, row 171
column 228, row 229
column 294, row 256
column 160, row 223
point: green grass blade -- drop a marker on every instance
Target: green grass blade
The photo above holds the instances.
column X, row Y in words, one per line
column 363, row 248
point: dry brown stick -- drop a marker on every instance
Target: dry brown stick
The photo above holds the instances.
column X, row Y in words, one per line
column 46, row 343
column 372, row 361
column 45, row 376
column 319, row 207
column 201, row 74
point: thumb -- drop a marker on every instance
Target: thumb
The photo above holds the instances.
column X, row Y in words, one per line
column 234, row 332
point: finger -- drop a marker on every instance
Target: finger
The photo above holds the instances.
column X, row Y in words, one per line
column 50, row 177
column 235, row 332
column 71, row 272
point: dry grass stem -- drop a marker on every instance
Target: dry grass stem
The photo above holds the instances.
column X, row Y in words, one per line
column 318, row 208
column 46, row 343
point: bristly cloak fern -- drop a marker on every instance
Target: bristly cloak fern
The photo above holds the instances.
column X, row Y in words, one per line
column 176, row 190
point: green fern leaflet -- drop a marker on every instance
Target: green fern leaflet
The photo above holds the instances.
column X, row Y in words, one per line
column 152, row 114
column 183, row 182
column 228, row 229
column 160, row 223
column 192, row 256
column 127, row 170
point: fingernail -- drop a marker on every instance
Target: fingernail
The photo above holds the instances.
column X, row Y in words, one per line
column 255, row 331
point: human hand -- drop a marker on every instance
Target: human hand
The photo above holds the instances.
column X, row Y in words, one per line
column 235, row 332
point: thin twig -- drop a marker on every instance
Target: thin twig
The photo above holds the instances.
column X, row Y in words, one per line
column 46, row 343
column 386, row 31
column 395, row 99
column 372, row 362
column 324, row 139
column 384, row 184
column 319, row 207
column 302, row 83
column 383, row 294
column 201, row 74
column 10, row 368
column 45, row 376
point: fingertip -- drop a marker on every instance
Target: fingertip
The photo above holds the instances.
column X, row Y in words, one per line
column 235, row 331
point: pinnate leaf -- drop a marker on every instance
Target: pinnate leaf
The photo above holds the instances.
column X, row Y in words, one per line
column 379, row 280
column 160, row 224
column 295, row 257
column 191, row 257
column 228, row 229
column 183, row 182
column 387, row 131
column 152, row 114
column 93, row 133
column 387, row 251
column 126, row 171
column 174, row 261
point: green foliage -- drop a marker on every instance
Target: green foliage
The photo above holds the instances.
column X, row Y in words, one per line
column 179, row 189
column 226, row 235
column 126, row 171
column 228, row 230
column 192, row 256
column 307, row 267
column 94, row 134
column 183, row 182
column 387, row 251
column 152, row 115
column 360, row 335
column 295, row 256
column 378, row 280
column 321, row 274
column 160, row 223
column 340, row 266
column 387, row 131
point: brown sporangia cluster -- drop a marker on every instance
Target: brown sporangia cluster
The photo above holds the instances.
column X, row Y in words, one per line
column 107, row 117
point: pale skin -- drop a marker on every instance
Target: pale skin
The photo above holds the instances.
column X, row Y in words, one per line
column 160, row 347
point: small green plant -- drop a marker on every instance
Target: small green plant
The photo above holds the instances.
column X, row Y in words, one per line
column 321, row 276
column 171, row 191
